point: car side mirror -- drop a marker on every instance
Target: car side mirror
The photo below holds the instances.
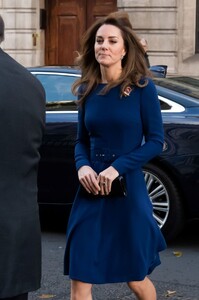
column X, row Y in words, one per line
column 159, row 70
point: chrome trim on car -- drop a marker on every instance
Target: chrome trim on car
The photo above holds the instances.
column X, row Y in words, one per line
column 55, row 73
column 62, row 112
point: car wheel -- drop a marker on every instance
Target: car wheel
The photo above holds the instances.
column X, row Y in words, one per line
column 167, row 207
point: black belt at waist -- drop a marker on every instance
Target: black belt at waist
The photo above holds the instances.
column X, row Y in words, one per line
column 103, row 155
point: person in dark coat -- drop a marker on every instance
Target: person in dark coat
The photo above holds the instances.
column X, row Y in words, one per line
column 22, row 119
column 114, row 238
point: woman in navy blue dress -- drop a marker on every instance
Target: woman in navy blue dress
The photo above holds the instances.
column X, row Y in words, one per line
column 114, row 239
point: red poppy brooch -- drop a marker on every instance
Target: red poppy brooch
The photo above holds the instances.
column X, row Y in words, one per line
column 127, row 91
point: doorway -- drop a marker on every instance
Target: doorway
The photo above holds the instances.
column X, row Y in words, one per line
column 66, row 22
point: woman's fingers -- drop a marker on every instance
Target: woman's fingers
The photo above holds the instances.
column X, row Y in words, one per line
column 106, row 178
column 97, row 184
column 90, row 183
column 105, row 186
column 88, row 178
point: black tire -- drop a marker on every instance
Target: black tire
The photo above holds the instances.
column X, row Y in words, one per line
column 167, row 205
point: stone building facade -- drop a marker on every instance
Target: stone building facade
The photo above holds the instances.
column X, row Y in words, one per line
column 170, row 27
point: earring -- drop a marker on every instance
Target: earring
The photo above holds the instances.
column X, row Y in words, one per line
column 122, row 56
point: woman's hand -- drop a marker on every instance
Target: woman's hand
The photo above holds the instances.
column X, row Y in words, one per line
column 105, row 179
column 89, row 179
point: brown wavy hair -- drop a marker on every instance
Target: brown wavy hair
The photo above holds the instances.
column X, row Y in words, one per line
column 134, row 66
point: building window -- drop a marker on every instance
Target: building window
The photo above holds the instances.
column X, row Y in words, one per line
column 197, row 26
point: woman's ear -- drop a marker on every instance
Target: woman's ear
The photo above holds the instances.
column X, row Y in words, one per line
column 124, row 52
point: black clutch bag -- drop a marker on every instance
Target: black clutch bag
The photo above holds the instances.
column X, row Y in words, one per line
column 118, row 188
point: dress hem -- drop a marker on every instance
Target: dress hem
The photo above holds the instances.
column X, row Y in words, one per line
column 116, row 280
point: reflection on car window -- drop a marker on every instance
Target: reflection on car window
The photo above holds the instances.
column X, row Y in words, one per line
column 164, row 105
column 57, row 87
column 185, row 85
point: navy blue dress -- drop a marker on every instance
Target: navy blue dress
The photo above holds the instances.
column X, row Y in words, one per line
column 116, row 239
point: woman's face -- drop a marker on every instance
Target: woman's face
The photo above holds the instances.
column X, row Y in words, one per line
column 109, row 46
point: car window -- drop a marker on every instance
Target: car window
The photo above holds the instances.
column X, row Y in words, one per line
column 168, row 105
column 57, row 87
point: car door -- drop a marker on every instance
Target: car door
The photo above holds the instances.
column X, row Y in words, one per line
column 57, row 178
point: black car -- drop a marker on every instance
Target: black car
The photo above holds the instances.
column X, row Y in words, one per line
column 172, row 178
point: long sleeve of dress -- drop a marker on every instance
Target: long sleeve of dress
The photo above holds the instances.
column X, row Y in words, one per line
column 152, row 131
column 82, row 142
